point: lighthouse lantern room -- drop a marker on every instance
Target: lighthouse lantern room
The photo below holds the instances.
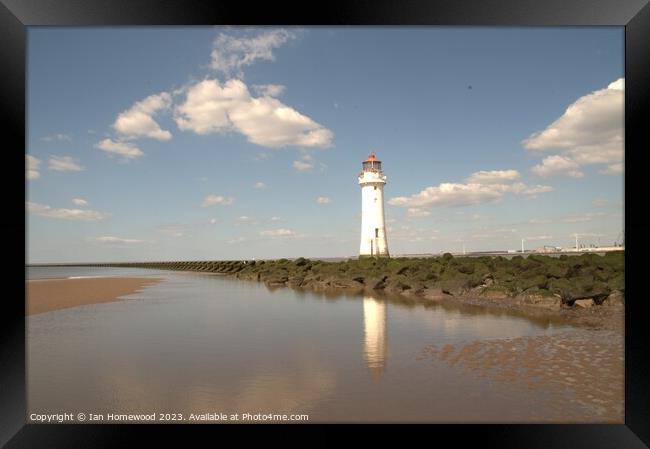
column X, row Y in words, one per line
column 373, row 228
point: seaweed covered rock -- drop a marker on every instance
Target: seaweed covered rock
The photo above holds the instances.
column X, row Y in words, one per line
column 277, row 280
column 577, row 281
column 435, row 294
column 541, row 298
column 615, row 298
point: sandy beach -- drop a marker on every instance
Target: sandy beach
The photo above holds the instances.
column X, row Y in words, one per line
column 47, row 295
column 583, row 367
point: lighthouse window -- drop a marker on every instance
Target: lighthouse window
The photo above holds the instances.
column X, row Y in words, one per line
column 376, row 232
column 375, row 187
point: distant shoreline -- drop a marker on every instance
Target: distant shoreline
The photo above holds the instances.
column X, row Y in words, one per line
column 504, row 254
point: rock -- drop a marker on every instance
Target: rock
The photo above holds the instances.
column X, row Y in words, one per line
column 295, row 282
column 549, row 302
column 540, row 300
column 585, row 303
column 435, row 294
column 276, row 281
column 491, row 293
column 411, row 293
column 476, row 291
column 396, row 286
column 347, row 284
column 599, row 298
column 616, row 298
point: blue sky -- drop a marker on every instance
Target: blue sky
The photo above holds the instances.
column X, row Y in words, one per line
column 228, row 143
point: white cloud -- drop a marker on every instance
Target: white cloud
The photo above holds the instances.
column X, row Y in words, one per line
column 492, row 177
column 613, row 169
column 115, row 240
column 557, row 165
column 538, row 237
column 481, row 187
column 231, row 53
column 138, row 121
column 302, row 166
column 55, row 137
column 581, row 218
column 450, row 194
column 412, row 235
column 173, row 230
column 415, row 212
column 80, row 202
column 619, row 84
column 211, row 107
column 214, row 221
column 586, row 234
column 305, row 163
column 278, row 233
column 590, row 131
column 323, row 200
column 455, row 194
column 269, row 90
column 246, row 220
column 31, row 167
column 600, row 202
column 125, row 149
column 276, row 218
column 65, row 214
column 539, row 221
column 259, row 185
column 531, row 190
column 493, row 235
column 63, row 163
column 212, row 200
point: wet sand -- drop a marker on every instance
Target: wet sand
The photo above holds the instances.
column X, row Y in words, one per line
column 54, row 294
column 584, row 368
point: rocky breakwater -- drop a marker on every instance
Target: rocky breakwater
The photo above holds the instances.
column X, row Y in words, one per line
column 580, row 282
column 577, row 281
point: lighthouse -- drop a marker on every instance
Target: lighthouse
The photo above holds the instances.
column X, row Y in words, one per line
column 373, row 227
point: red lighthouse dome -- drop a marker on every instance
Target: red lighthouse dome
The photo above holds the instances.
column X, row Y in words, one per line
column 372, row 163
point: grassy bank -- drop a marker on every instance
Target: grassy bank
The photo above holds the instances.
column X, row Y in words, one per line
column 553, row 282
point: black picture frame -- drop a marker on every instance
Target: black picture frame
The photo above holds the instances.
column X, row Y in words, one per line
column 634, row 15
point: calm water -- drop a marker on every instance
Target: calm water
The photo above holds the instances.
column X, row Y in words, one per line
column 202, row 343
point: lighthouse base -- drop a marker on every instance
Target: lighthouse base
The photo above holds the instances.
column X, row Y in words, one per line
column 374, row 256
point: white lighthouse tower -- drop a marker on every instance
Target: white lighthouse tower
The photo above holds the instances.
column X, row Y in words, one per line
column 373, row 227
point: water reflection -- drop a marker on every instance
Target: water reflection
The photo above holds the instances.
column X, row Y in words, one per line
column 374, row 327
column 202, row 343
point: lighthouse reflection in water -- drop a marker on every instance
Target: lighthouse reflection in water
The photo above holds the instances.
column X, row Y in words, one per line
column 374, row 344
